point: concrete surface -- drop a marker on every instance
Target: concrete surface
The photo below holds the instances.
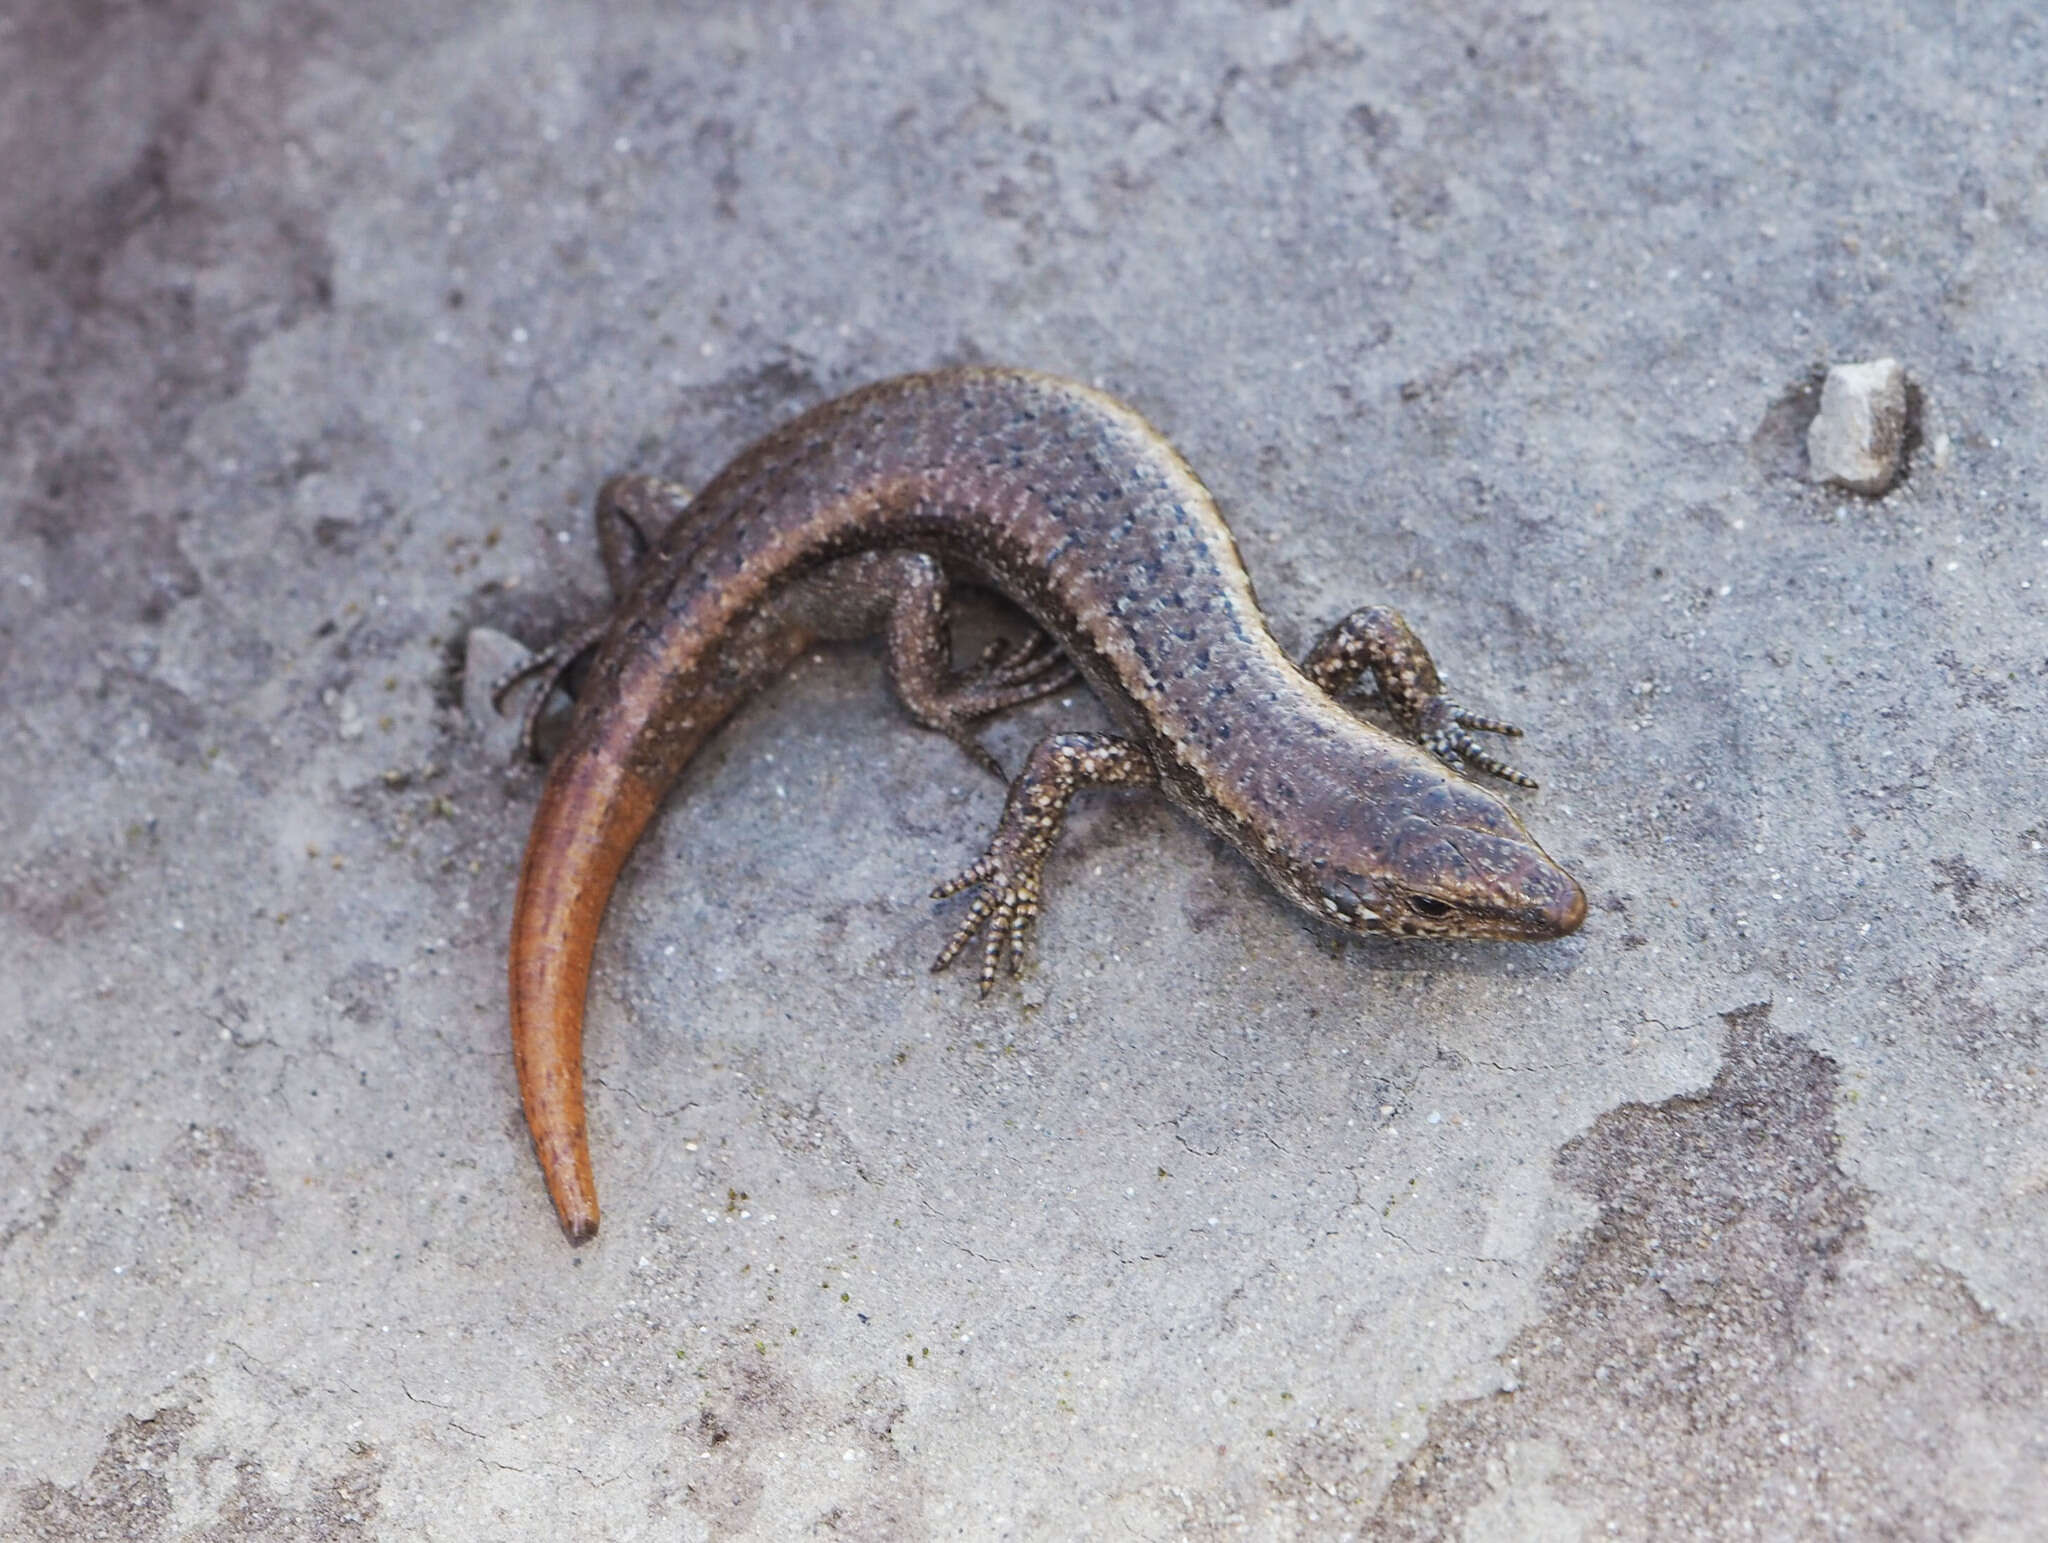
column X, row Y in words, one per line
column 1727, row 1218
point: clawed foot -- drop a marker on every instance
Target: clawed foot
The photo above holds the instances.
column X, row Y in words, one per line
column 1006, row 880
column 1441, row 730
column 1005, row 906
column 1036, row 663
column 1005, row 675
column 551, row 664
column 1375, row 641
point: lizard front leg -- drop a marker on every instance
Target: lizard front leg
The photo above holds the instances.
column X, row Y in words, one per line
column 1006, row 880
column 1376, row 639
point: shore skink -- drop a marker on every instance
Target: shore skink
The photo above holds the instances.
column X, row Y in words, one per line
column 854, row 519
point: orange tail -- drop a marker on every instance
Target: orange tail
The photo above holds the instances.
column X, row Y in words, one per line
column 590, row 815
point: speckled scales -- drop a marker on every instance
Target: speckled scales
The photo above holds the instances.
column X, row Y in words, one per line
column 1069, row 503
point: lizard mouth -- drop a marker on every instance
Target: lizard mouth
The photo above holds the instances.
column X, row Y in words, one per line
column 1555, row 904
column 1543, row 904
column 1548, row 903
column 1483, row 886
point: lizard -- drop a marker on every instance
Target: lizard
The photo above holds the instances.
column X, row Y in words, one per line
column 857, row 518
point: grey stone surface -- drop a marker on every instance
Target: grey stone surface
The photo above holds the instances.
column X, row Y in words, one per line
column 319, row 325
column 1858, row 438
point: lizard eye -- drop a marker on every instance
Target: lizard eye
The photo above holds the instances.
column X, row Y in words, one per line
column 1426, row 905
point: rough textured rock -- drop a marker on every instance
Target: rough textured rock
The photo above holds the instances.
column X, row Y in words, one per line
column 320, row 324
column 488, row 657
column 1858, row 439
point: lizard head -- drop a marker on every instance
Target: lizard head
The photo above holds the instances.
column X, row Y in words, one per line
column 1425, row 853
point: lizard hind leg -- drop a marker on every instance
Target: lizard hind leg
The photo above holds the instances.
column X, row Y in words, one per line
column 921, row 662
column 550, row 664
column 902, row 594
column 1376, row 640
column 630, row 514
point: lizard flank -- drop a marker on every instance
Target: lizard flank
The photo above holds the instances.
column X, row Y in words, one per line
column 854, row 519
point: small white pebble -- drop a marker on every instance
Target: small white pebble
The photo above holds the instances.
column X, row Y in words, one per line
column 1856, row 439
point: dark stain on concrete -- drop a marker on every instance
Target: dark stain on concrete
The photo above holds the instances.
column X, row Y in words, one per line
column 65, row 890
column 127, row 1494
column 220, row 1186
column 56, row 1188
column 1777, row 446
column 142, row 265
column 726, row 1454
column 1685, row 1371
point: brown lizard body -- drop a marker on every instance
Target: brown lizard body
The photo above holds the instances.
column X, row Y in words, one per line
column 850, row 520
